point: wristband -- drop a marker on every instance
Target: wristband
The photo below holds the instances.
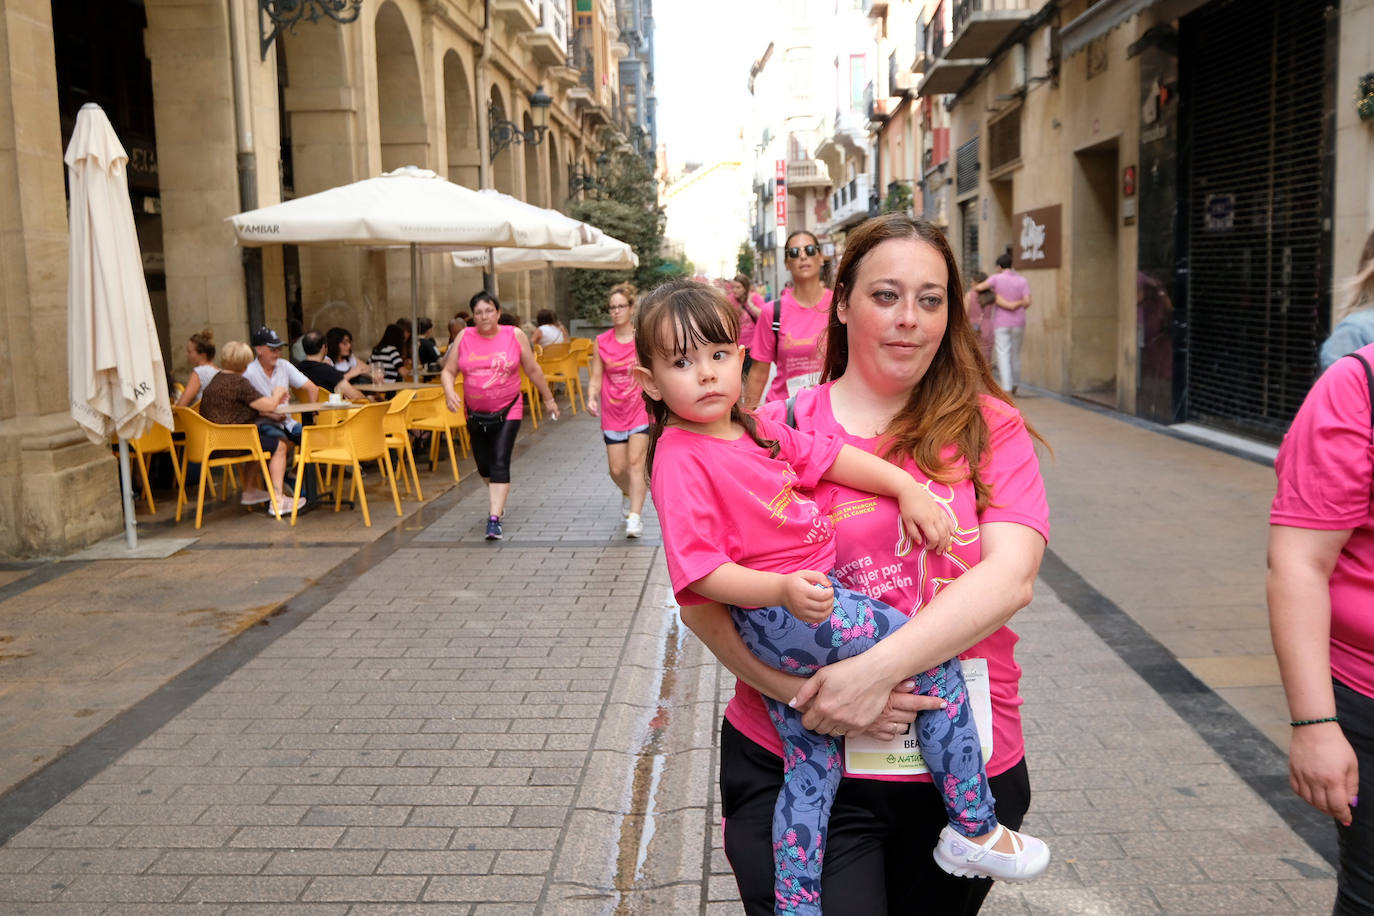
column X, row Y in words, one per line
column 1300, row 722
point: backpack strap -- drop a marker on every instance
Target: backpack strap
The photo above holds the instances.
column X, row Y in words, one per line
column 1369, row 380
column 777, row 321
column 792, row 409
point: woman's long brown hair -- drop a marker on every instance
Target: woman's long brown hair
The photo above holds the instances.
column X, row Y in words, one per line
column 670, row 319
column 944, row 407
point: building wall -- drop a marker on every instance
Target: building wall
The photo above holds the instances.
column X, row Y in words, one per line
column 1354, row 204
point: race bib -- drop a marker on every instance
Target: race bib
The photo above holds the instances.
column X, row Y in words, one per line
column 805, row 380
column 901, row 756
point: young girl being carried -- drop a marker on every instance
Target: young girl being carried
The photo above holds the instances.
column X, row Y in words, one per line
column 739, row 527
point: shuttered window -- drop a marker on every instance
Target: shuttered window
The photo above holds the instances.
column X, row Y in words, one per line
column 966, row 166
column 1004, row 139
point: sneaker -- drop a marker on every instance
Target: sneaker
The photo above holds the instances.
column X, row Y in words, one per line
column 285, row 506
column 254, row 498
column 493, row 528
column 634, row 526
column 960, row 856
column 624, row 506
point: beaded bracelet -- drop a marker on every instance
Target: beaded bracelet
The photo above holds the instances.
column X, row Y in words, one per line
column 1296, row 722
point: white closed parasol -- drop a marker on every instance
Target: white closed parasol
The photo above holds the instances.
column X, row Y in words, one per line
column 117, row 380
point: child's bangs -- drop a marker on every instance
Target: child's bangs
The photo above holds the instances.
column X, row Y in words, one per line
column 689, row 321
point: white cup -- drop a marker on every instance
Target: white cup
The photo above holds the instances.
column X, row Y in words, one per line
column 335, row 397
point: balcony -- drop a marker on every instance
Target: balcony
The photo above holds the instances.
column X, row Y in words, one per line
column 949, row 75
column 981, row 25
column 519, row 15
column 849, row 204
column 549, row 41
column 808, row 173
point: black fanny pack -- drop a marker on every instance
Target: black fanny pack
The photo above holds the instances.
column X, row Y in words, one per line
column 489, row 421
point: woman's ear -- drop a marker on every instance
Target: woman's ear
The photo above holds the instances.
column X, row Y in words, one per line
column 645, row 377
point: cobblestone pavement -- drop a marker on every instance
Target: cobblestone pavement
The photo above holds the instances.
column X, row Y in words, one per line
column 463, row 727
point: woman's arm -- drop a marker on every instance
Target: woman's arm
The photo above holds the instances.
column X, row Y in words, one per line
column 449, row 374
column 849, row 695
column 1322, row 767
column 594, row 383
column 758, row 377
column 188, row 395
column 536, row 374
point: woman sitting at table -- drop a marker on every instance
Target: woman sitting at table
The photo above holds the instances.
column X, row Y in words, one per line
column 230, row 398
column 388, row 353
column 548, row 329
column 200, row 353
column 338, row 346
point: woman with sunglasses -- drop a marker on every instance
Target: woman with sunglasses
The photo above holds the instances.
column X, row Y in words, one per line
column 792, row 341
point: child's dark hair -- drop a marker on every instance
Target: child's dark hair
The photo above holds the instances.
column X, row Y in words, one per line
column 675, row 316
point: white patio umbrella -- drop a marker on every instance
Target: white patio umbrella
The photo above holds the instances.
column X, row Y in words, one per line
column 606, row 253
column 413, row 207
column 115, row 372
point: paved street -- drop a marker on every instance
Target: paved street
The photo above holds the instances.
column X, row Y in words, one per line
column 410, row 719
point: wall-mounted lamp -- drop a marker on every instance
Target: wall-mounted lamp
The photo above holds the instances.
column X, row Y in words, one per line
column 284, row 14
column 504, row 133
column 579, row 179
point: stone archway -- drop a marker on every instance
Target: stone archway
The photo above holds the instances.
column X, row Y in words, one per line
column 460, row 121
column 558, row 174
column 503, row 166
column 400, row 97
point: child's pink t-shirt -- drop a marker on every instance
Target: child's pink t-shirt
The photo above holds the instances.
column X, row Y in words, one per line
column 1325, row 469
column 491, row 371
column 726, row 501
column 622, row 403
column 870, row 543
column 798, row 352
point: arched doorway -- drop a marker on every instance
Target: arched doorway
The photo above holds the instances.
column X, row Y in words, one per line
column 503, row 166
column 400, row 99
column 460, row 124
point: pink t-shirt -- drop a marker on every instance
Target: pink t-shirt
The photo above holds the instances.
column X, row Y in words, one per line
column 726, row 501
column 746, row 320
column 622, row 401
column 869, row 539
column 1325, row 469
column 491, row 371
column 798, row 353
column 1011, row 286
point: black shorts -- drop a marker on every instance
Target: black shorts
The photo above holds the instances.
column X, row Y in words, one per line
column 878, row 854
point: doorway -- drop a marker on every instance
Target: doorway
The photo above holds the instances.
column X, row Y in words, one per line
column 1094, row 272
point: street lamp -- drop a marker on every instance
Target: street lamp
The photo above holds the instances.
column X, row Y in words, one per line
column 284, row 14
column 579, row 179
column 504, row 133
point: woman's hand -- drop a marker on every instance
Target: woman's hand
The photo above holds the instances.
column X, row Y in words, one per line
column 594, row 401
column 808, row 596
column 848, row 696
column 1323, row 770
column 452, row 399
column 551, row 406
column 902, row 709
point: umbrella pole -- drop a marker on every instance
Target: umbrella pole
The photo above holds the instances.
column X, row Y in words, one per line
column 491, row 269
column 414, row 313
column 126, row 486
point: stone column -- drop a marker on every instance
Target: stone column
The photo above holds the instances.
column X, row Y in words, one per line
column 58, row 492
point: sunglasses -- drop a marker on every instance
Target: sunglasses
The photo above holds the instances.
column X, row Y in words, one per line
column 811, row 251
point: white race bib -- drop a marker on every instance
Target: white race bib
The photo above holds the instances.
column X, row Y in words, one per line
column 806, row 380
column 901, row 756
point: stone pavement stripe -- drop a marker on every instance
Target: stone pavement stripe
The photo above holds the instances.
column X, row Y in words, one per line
column 1253, row 757
column 41, row 575
column 28, row 800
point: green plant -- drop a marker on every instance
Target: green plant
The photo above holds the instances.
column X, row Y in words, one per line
column 899, row 198
column 624, row 204
column 744, row 263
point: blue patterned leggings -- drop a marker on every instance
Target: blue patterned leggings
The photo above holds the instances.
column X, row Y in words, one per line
column 812, row 764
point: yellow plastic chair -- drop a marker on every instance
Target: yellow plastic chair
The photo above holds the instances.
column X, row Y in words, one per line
column 536, row 405
column 582, row 349
column 357, row 439
column 563, row 371
column 428, row 412
column 216, row 445
column 155, row 441
column 398, row 438
column 553, row 351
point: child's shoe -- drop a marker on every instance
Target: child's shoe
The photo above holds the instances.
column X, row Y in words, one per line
column 960, row 856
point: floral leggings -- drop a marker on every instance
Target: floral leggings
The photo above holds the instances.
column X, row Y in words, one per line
column 812, row 764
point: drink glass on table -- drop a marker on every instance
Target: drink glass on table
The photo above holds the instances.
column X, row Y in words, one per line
column 377, row 375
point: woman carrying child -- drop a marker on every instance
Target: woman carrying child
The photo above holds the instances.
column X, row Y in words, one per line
column 915, row 392
column 739, row 529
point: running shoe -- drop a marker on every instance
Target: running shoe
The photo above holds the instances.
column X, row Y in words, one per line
column 493, row 528
column 634, row 526
column 960, row 856
column 284, row 506
column 254, row 498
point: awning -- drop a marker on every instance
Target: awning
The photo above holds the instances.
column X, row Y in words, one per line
column 1108, row 14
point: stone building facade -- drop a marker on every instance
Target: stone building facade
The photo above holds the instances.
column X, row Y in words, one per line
column 220, row 117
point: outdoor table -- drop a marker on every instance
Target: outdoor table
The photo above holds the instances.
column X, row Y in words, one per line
column 386, row 387
column 315, row 407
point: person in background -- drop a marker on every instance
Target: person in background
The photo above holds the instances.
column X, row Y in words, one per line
column 317, row 367
column 338, row 344
column 548, row 329
column 794, row 345
column 1357, row 327
column 429, row 350
column 614, row 395
column 981, row 308
column 1009, row 319
column 455, row 327
column 389, row 352
column 200, row 353
column 490, row 356
column 750, row 306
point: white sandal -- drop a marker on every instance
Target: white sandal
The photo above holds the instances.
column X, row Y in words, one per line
column 960, row 856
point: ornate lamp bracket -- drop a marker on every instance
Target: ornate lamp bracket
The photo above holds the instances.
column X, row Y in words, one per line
column 282, row 15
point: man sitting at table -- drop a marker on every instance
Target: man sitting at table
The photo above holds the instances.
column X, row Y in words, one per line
column 317, row 367
column 270, row 373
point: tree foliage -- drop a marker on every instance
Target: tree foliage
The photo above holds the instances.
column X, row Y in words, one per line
column 899, row 198
column 624, row 204
column 744, row 262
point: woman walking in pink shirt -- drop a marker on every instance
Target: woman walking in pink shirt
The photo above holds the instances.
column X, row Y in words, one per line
column 613, row 395
column 1008, row 320
column 789, row 329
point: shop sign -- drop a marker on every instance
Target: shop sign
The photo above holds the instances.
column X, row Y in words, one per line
column 1038, row 240
column 780, row 192
column 1219, row 213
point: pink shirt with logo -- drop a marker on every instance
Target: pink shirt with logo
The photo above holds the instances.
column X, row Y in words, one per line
column 622, row 401
column 1325, row 469
column 870, row 545
column 798, row 351
column 727, row 501
column 1011, row 286
column 746, row 320
column 491, row 371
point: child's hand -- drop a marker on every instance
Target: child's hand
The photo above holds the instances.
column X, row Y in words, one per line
column 925, row 519
column 808, row 596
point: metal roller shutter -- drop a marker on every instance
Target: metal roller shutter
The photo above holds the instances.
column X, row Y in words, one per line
column 1254, row 95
